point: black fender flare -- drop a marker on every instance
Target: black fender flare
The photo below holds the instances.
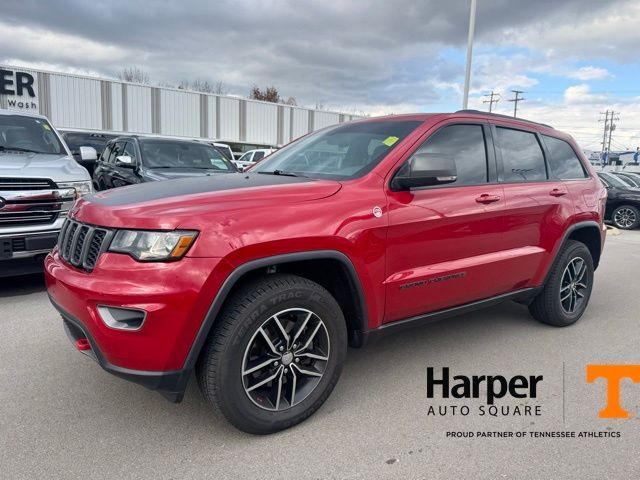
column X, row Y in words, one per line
column 565, row 237
column 232, row 279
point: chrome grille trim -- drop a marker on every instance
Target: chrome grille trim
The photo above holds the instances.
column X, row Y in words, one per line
column 32, row 201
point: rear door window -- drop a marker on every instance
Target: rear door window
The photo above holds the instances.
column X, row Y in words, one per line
column 522, row 157
column 563, row 161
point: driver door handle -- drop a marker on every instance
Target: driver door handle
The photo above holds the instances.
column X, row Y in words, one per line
column 486, row 198
column 556, row 192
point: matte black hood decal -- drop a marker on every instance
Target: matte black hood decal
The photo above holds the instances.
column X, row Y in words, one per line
column 147, row 192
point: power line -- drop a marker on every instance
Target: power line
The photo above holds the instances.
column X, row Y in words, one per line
column 515, row 101
column 491, row 100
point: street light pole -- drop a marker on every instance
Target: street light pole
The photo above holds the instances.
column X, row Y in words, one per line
column 467, row 75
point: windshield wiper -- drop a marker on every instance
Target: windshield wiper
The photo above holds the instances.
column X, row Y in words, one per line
column 284, row 173
column 18, row 149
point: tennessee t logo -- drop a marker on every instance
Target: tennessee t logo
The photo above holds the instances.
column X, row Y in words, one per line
column 613, row 374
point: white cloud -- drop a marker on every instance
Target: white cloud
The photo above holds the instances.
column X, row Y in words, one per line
column 57, row 48
column 612, row 34
column 580, row 94
column 591, row 73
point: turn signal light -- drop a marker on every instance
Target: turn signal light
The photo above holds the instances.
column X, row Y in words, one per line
column 182, row 246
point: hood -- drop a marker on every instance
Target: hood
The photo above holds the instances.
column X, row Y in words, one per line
column 169, row 174
column 174, row 203
column 57, row 167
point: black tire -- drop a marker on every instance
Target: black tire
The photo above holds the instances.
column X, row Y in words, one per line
column 221, row 369
column 548, row 307
column 626, row 217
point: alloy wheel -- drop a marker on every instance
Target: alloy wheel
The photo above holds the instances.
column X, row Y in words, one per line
column 625, row 217
column 573, row 286
column 285, row 359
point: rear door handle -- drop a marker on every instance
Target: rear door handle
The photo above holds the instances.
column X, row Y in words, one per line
column 486, row 198
column 556, row 192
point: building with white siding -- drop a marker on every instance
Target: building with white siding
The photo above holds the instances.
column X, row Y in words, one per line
column 75, row 102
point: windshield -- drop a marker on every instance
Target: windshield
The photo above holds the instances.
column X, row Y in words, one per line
column 164, row 154
column 613, row 180
column 631, row 179
column 96, row 140
column 28, row 134
column 342, row 152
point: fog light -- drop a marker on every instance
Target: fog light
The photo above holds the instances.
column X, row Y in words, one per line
column 120, row 318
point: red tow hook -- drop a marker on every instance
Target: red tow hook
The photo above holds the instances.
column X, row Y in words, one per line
column 83, row 344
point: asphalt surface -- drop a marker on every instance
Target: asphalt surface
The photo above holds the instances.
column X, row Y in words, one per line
column 61, row 416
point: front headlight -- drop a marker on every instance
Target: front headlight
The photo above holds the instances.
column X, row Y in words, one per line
column 153, row 246
column 82, row 188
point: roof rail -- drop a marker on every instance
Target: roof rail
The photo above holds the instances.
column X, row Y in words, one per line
column 499, row 115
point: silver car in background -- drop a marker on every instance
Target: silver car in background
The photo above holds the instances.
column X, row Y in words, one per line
column 39, row 182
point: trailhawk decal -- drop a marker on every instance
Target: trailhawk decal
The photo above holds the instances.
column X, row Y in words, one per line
column 444, row 278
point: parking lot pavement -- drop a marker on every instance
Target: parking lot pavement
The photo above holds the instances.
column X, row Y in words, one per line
column 61, row 416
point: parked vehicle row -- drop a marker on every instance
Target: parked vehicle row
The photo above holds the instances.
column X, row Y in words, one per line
column 252, row 157
column 623, row 199
column 129, row 160
column 258, row 281
column 76, row 140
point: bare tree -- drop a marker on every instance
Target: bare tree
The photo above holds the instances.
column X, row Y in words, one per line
column 134, row 75
column 219, row 88
column 291, row 101
column 204, row 86
column 269, row 94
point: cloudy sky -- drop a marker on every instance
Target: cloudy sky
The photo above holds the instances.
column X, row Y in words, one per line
column 573, row 58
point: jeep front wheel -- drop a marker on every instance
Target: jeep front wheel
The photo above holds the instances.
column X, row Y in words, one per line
column 275, row 353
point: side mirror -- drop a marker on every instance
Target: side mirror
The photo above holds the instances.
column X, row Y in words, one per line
column 124, row 161
column 88, row 154
column 425, row 170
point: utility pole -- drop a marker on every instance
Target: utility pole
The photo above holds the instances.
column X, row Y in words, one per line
column 467, row 75
column 515, row 101
column 491, row 100
column 612, row 127
column 604, row 132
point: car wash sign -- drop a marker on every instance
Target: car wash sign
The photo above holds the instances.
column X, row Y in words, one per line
column 18, row 89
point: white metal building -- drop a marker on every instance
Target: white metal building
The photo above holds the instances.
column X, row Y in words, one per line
column 87, row 103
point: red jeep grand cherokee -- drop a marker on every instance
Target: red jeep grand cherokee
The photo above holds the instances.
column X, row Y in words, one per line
column 260, row 280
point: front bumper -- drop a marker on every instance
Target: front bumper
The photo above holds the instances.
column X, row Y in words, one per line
column 170, row 384
column 175, row 296
column 23, row 253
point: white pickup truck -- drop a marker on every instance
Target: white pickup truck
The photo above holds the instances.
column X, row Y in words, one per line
column 39, row 182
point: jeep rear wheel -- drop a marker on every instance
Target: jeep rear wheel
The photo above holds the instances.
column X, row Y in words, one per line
column 275, row 353
column 566, row 294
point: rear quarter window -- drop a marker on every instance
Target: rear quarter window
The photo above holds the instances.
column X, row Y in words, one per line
column 563, row 161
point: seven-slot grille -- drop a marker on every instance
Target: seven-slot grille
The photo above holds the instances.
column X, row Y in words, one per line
column 81, row 245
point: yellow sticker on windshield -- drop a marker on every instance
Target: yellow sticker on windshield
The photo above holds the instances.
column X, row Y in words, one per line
column 46, row 127
column 390, row 141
